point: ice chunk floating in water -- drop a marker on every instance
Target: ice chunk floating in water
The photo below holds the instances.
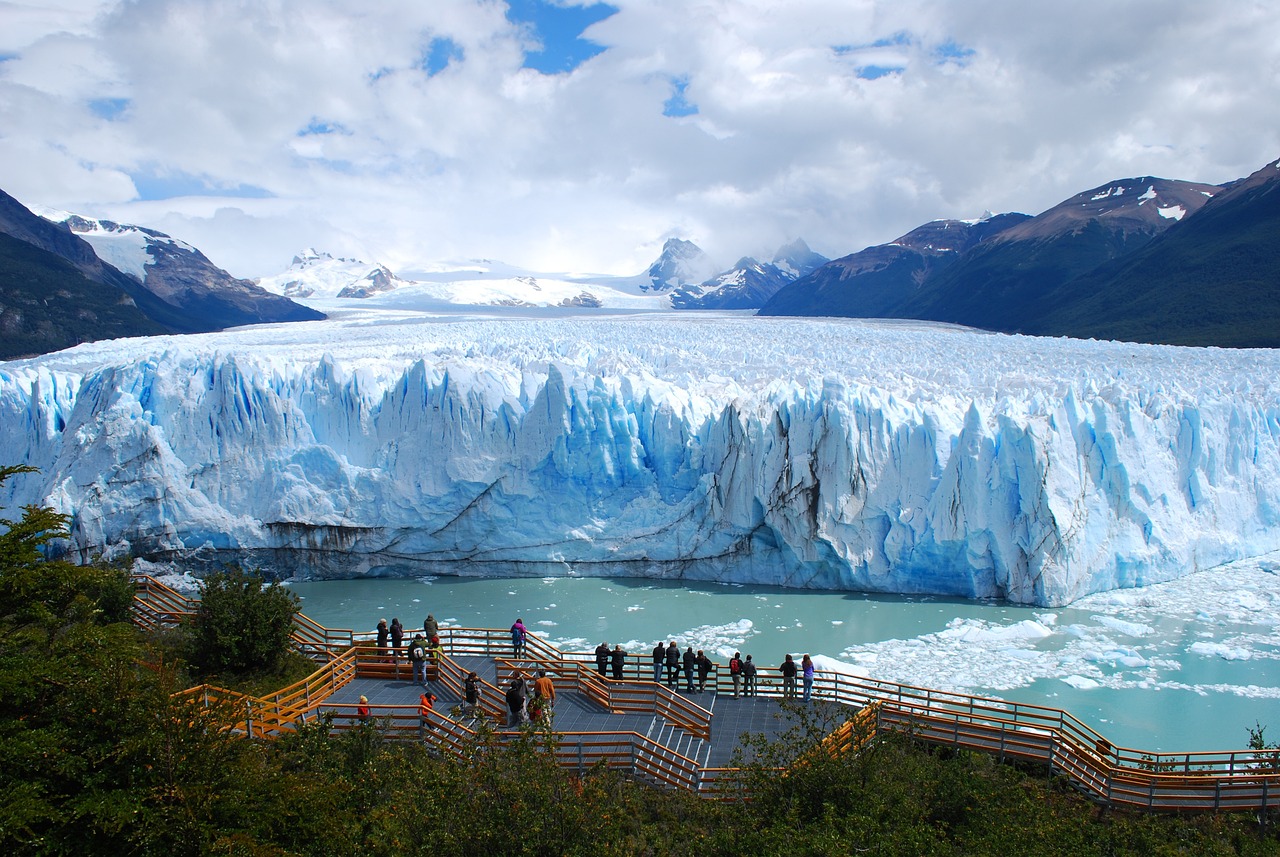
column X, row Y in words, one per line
column 829, row 454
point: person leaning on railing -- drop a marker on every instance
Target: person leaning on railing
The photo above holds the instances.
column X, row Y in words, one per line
column 749, row 677
column 788, row 670
column 673, row 665
column 704, row 669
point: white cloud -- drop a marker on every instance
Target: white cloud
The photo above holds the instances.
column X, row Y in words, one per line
column 847, row 123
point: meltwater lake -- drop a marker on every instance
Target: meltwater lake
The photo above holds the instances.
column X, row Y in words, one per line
column 1181, row 666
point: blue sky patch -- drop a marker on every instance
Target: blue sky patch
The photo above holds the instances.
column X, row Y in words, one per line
column 677, row 104
column 319, row 127
column 438, row 55
column 949, row 51
column 108, row 108
column 153, row 186
column 559, row 29
column 874, row 72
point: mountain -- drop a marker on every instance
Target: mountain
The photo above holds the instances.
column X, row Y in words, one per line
column 749, row 284
column 202, row 296
column 47, row 304
column 1001, row 284
column 142, row 280
column 320, row 275
column 1143, row 259
column 878, row 281
column 56, row 291
column 681, row 263
column 1211, row 279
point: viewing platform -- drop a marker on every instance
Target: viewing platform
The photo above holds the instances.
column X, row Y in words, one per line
column 694, row 740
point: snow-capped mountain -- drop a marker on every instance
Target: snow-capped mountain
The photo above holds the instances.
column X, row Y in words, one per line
column 1209, row 279
column 203, row 296
column 888, row 457
column 749, row 284
column 797, row 259
column 320, row 275
column 1015, row 273
column 55, row 292
column 681, row 263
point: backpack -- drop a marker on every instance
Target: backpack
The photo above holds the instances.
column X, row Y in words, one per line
column 735, row 666
column 417, row 651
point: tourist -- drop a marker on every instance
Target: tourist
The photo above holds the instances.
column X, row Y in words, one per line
column 397, row 636
column 435, row 652
column 471, row 692
column 735, row 672
column 515, row 702
column 544, row 689
column 426, row 703
column 383, row 635
column 362, row 710
column 418, row 657
column 690, row 664
column 430, row 627
column 749, row 677
column 806, row 673
column 602, row 659
column 704, row 669
column 788, row 670
column 673, row 665
column 618, row 658
column 519, row 633
column 659, row 657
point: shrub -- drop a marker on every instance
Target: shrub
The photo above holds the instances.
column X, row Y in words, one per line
column 241, row 625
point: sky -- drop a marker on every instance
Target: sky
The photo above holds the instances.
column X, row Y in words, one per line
column 573, row 136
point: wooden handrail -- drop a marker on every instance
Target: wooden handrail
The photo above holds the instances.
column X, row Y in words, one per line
column 1202, row 781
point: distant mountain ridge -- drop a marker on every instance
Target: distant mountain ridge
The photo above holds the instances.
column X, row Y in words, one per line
column 878, row 281
column 681, row 263
column 1147, row 259
column 1210, row 279
column 750, row 284
column 313, row 273
column 56, row 289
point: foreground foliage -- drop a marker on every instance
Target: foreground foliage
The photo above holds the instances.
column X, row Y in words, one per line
column 97, row 756
column 242, row 624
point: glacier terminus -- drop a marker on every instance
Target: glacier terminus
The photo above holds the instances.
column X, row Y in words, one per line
column 894, row 457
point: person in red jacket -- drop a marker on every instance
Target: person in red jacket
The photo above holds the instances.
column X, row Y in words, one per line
column 426, row 704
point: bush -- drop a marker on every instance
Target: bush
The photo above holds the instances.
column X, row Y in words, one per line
column 241, row 625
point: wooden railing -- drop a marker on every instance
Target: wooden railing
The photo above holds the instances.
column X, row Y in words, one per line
column 623, row 751
column 156, row 606
column 1244, row 780
column 619, row 697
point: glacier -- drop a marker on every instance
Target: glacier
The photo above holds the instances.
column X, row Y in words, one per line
column 894, row 457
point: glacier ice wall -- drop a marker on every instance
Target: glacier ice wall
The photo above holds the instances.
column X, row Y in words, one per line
column 840, row 455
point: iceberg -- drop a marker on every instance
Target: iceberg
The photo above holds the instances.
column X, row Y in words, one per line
column 895, row 457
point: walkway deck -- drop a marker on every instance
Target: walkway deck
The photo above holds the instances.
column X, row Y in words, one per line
column 689, row 740
column 576, row 713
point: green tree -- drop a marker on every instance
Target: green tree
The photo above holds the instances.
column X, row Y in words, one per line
column 241, row 625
